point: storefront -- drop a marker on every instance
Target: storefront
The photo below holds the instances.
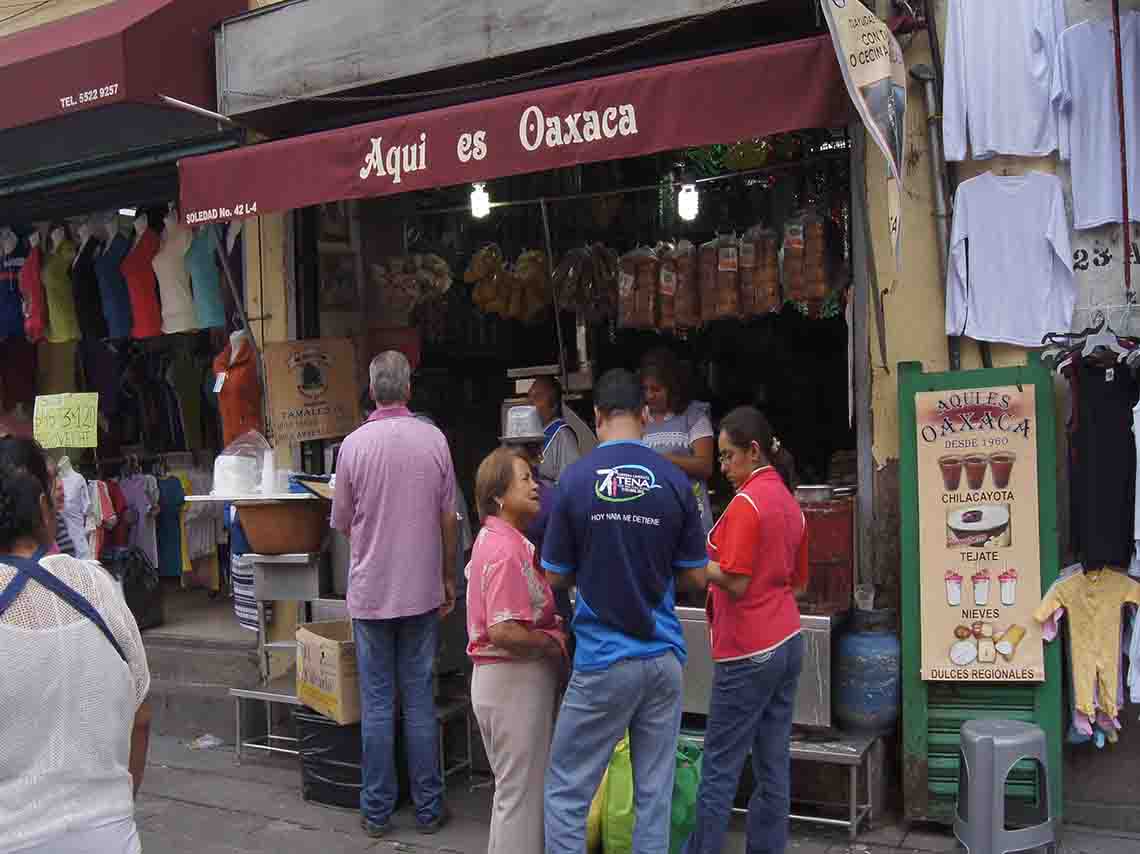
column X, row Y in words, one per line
column 574, row 228
column 104, row 290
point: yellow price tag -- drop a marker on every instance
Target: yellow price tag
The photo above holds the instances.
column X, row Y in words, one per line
column 67, row 420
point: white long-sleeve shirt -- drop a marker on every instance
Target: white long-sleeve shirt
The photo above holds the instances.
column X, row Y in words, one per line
column 998, row 77
column 1084, row 91
column 1010, row 275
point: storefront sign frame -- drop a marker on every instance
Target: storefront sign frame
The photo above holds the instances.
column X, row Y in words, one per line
column 312, row 389
column 933, row 711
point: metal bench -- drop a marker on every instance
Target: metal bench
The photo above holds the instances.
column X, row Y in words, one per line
column 852, row 751
column 281, row 691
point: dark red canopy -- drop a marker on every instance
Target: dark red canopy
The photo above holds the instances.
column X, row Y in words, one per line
column 721, row 99
column 128, row 50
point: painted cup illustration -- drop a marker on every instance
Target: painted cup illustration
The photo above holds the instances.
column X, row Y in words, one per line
column 951, row 466
column 1002, row 465
column 981, row 581
column 953, row 588
column 976, row 465
column 1008, row 582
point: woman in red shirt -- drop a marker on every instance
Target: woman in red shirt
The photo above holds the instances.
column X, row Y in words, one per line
column 758, row 559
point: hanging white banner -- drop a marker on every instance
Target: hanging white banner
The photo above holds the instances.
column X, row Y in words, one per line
column 875, row 74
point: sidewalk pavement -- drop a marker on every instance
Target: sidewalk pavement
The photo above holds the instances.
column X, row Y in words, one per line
column 202, row 802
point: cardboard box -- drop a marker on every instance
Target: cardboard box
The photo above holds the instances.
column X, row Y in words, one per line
column 327, row 680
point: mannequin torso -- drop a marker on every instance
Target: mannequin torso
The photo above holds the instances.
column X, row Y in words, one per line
column 174, row 277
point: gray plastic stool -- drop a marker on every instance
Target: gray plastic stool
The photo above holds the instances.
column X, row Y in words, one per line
column 988, row 753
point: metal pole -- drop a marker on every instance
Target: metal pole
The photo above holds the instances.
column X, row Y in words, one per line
column 1123, row 152
column 554, row 292
column 925, row 75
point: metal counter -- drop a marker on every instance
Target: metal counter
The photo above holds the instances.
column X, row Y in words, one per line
column 813, row 700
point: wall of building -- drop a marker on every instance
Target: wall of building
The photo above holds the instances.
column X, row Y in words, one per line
column 15, row 17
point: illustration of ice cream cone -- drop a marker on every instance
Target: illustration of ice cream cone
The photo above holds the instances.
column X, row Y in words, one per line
column 953, row 588
column 981, row 580
column 1008, row 582
column 1007, row 646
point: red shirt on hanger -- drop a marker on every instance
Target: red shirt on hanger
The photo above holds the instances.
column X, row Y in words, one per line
column 146, row 314
column 239, row 397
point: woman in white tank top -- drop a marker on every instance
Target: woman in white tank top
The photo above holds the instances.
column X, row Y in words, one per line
column 74, row 721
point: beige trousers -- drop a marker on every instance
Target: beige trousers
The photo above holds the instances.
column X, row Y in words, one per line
column 514, row 704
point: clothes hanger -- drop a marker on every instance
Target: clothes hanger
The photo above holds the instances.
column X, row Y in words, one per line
column 1106, row 338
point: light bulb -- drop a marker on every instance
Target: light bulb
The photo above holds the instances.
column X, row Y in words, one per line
column 128, row 212
column 688, row 202
column 480, row 201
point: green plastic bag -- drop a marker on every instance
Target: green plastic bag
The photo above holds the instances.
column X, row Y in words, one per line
column 686, row 782
column 618, row 817
column 594, row 819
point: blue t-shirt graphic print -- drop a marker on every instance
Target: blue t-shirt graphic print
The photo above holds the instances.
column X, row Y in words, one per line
column 625, row 521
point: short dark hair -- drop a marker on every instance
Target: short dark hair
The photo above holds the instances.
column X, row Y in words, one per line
column 555, row 390
column 24, row 479
column 618, row 391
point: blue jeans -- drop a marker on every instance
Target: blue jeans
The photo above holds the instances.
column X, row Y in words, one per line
column 750, row 709
column 393, row 654
column 641, row 695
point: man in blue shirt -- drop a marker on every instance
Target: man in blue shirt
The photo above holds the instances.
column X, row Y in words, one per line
column 626, row 531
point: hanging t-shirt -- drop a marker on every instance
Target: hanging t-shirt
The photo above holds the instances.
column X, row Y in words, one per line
column 113, row 287
column 999, row 56
column 204, row 277
column 137, row 269
column 171, row 497
column 1084, row 91
column 63, row 324
column 76, row 504
column 11, row 302
column 119, row 535
column 88, row 300
column 141, row 493
column 1102, row 465
column 32, row 290
column 625, row 522
column 1010, row 274
column 174, row 280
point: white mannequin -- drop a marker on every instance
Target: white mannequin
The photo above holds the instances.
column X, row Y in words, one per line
column 58, row 235
column 8, row 241
column 232, row 235
column 174, row 276
column 238, row 342
column 141, row 225
column 34, row 239
column 64, row 465
column 84, row 237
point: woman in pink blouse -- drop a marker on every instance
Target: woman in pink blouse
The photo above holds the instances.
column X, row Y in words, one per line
column 518, row 647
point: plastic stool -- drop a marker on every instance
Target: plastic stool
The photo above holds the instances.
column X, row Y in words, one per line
column 989, row 750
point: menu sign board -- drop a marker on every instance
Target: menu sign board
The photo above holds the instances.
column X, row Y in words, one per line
column 313, row 392
column 979, row 538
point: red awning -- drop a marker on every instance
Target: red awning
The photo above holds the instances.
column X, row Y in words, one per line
column 129, row 50
column 721, row 99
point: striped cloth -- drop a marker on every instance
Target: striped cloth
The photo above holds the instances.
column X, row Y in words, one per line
column 63, row 539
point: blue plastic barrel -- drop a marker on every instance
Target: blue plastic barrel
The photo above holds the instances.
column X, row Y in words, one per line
column 868, row 683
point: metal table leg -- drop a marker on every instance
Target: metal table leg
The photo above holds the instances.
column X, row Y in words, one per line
column 237, row 727
column 853, row 805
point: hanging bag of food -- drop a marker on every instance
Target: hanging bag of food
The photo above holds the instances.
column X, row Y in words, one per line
column 759, row 272
column 637, row 288
column 666, row 288
column 727, row 277
column 706, row 280
column 687, row 299
column 815, row 258
column 793, row 266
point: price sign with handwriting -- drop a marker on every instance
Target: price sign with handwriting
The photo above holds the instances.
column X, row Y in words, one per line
column 67, row 420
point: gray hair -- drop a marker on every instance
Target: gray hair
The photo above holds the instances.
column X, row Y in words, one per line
column 390, row 378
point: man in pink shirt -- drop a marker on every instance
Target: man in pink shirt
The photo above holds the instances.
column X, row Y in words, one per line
column 395, row 501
